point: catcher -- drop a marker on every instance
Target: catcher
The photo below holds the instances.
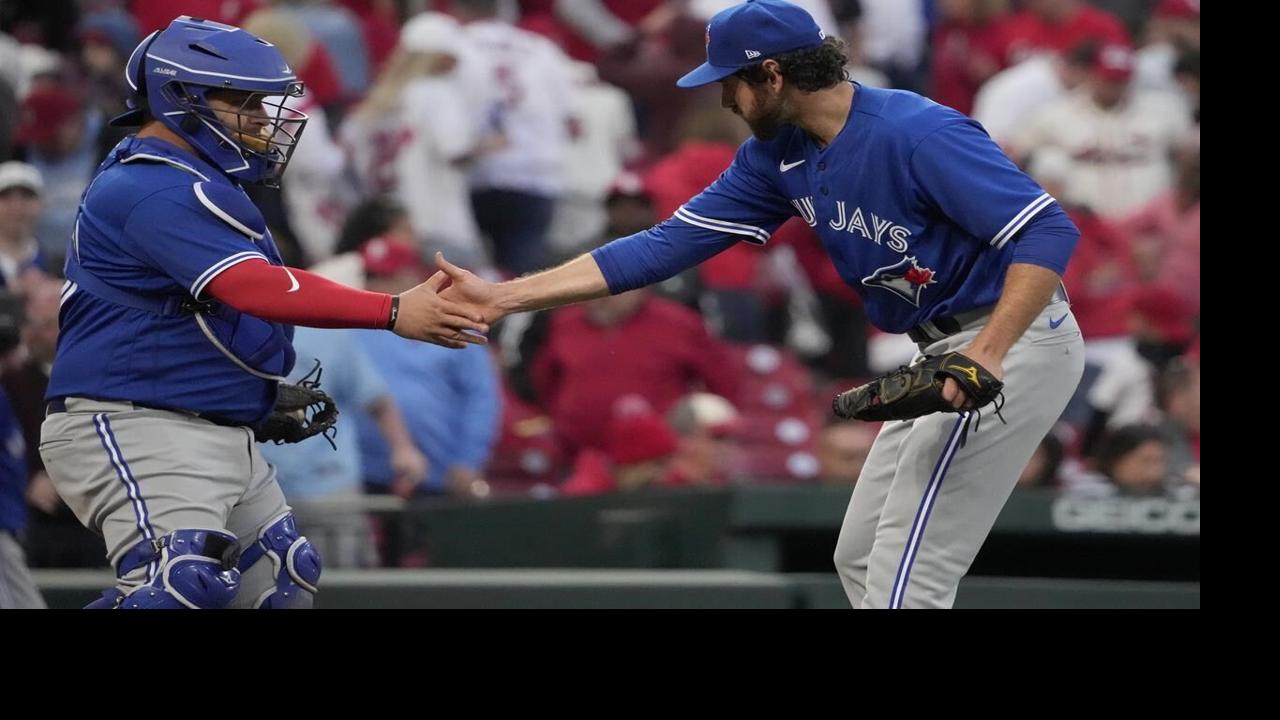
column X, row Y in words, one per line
column 176, row 334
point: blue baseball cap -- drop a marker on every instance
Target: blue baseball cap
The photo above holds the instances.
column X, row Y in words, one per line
column 747, row 33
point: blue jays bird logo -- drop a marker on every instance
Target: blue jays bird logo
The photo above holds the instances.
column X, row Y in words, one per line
column 905, row 278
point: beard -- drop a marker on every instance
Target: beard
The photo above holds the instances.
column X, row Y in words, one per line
column 767, row 120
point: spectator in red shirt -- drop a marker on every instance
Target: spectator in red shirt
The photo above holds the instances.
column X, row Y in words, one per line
column 638, row 450
column 1058, row 26
column 968, row 48
column 628, row 344
column 1166, row 231
column 1102, row 272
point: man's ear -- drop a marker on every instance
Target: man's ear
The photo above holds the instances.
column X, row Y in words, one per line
column 773, row 73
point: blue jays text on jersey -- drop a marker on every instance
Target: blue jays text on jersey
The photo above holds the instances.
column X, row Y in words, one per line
column 918, row 208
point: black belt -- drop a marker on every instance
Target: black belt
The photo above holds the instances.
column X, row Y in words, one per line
column 946, row 325
column 59, row 405
column 943, row 327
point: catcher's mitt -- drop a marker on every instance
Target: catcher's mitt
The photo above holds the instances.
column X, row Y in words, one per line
column 916, row 390
column 301, row 411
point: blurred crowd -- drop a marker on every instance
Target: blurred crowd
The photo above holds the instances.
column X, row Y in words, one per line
column 514, row 134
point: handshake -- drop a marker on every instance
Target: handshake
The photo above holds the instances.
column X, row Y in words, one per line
column 453, row 308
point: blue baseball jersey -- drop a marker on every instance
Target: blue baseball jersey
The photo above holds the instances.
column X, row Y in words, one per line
column 918, row 208
column 157, row 225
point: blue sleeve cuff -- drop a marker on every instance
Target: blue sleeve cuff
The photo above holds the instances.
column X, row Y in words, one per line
column 607, row 259
column 1048, row 240
column 638, row 260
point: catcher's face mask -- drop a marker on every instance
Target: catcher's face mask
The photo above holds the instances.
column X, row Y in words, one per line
column 261, row 126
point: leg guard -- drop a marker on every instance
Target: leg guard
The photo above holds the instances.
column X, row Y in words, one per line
column 194, row 569
column 295, row 565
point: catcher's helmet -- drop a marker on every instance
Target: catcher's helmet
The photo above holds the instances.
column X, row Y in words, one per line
column 172, row 73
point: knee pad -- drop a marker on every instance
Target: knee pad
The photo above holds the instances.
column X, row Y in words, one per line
column 295, row 565
column 193, row 569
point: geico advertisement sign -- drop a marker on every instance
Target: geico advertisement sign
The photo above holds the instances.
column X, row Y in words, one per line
column 1156, row 516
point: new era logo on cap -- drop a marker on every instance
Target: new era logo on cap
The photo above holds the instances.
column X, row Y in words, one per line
column 749, row 31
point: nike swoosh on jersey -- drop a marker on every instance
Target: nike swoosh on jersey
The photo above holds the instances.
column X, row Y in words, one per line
column 292, row 279
column 1053, row 324
column 785, row 166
